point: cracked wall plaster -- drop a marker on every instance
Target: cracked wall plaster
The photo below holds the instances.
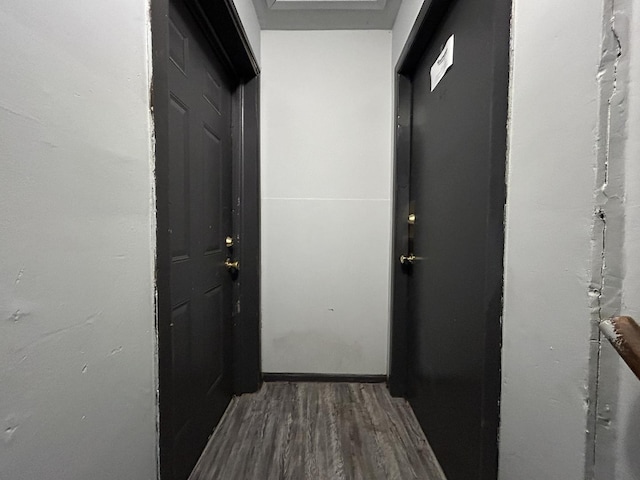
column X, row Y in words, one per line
column 607, row 240
column 614, row 440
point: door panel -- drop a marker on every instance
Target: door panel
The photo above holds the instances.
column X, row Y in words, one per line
column 199, row 184
column 452, row 380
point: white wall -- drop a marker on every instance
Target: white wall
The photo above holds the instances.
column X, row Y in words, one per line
column 551, row 162
column 326, row 176
column 247, row 13
column 77, row 367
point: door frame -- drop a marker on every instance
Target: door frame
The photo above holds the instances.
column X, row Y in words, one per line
column 429, row 18
column 226, row 36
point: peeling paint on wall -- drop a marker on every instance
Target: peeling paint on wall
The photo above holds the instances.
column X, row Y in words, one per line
column 605, row 290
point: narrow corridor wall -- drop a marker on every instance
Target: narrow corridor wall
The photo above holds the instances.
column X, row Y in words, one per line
column 547, row 327
column 326, row 195
column 77, row 329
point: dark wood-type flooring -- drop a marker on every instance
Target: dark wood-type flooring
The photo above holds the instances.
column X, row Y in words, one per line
column 318, row 431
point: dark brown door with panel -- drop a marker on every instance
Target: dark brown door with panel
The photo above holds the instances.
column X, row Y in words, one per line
column 205, row 106
column 450, row 231
column 200, row 180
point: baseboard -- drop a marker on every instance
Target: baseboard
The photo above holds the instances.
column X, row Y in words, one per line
column 322, row 377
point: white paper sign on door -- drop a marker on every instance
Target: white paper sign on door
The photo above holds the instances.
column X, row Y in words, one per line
column 442, row 63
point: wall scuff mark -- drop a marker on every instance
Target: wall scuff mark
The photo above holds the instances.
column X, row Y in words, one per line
column 19, row 277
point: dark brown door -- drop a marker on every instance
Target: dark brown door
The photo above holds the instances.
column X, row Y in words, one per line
column 457, row 196
column 200, row 161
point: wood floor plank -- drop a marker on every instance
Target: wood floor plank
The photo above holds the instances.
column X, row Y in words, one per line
column 383, row 434
column 421, row 459
column 318, row 431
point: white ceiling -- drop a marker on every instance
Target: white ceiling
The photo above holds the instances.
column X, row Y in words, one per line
column 326, row 14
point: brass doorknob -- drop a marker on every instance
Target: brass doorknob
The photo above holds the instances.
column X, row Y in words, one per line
column 231, row 266
column 407, row 259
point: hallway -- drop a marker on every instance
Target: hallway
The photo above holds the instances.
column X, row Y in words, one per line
column 199, row 195
column 318, row 431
